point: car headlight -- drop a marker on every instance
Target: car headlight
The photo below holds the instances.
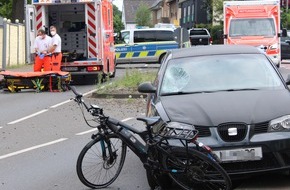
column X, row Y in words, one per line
column 280, row 124
column 273, row 46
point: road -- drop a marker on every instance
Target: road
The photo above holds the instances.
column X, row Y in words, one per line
column 41, row 135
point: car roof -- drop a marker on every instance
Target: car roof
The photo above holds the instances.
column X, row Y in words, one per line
column 214, row 50
column 149, row 29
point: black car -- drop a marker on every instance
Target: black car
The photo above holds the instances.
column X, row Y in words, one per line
column 237, row 99
column 285, row 47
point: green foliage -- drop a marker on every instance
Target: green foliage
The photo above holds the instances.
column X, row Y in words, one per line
column 285, row 18
column 6, row 8
column 118, row 24
column 129, row 82
column 143, row 16
column 216, row 34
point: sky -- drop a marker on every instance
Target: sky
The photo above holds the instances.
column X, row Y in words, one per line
column 118, row 3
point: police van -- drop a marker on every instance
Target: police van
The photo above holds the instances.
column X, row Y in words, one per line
column 144, row 45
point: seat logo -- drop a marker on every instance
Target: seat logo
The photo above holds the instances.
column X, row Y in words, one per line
column 233, row 131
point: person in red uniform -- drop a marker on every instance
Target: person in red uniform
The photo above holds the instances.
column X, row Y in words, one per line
column 55, row 49
column 42, row 56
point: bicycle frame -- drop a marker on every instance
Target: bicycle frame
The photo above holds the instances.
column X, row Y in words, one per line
column 125, row 133
column 155, row 152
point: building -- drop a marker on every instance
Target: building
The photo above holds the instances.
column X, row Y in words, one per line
column 193, row 12
column 129, row 11
column 184, row 13
column 165, row 11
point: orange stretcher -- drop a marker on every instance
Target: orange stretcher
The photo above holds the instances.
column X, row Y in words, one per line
column 53, row 81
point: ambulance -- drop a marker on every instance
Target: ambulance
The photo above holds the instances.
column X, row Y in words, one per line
column 86, row 30
column 255, row 23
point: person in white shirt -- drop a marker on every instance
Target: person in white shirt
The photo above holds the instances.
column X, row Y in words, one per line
column 55, row 49
column 42, row 56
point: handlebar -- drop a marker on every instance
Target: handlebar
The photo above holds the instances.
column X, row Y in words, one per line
column 93, row 109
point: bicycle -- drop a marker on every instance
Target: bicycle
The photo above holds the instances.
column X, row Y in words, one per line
column 190, row 164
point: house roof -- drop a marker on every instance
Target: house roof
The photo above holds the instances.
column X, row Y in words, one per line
column 156, row 5
column 131, row 6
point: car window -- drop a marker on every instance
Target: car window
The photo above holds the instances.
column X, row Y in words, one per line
column 252, row 27
column 198, row 32
column 175, row 79
column 125, row 37
column 220, row 72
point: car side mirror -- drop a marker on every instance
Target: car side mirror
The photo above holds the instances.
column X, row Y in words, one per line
column 146, row 87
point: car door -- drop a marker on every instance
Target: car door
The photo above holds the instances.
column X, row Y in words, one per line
column 123, row 48
column 144, row 46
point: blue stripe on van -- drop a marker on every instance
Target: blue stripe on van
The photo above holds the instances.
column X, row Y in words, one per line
column 123, row 55
column 136, row 54
column 151, row 53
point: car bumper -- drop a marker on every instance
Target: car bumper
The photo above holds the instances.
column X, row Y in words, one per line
column 275, row 58
column 275, row 153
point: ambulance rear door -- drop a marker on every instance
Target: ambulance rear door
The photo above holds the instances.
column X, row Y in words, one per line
column 30, row 32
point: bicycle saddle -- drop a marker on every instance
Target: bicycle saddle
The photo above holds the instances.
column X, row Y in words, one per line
column 149, row 120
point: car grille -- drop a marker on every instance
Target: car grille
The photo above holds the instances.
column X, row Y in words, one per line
column 223, row 131
column 203, row 131
column 261, row 127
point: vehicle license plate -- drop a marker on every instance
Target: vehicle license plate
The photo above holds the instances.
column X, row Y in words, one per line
column 70, row 68
column 241, row 154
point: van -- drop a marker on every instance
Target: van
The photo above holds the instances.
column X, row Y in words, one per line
column 144, row 45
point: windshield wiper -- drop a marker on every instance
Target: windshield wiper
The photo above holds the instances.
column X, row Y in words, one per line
column 212, row 91
column 239, row 89
column 182, row 92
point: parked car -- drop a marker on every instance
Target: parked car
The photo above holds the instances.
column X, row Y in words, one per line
column 199, row 36
column 285, row 46
column 237, row 99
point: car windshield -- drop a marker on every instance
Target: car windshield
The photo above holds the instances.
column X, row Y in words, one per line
column 205, row 74
column 252, row 27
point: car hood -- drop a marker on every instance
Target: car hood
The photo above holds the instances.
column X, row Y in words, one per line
column 212, row 109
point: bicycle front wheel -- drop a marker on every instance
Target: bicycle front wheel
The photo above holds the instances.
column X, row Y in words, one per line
column 196, row 170
column 101, row 161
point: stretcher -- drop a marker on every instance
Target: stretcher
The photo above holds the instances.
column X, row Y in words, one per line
column 53, row 81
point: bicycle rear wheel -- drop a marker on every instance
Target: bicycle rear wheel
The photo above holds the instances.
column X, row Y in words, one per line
column 101, row 161
column 201, row 172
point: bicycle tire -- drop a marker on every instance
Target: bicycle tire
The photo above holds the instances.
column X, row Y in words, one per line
column 202, row 172
column 93, row 167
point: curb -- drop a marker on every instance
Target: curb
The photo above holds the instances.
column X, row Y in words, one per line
column 119, row 96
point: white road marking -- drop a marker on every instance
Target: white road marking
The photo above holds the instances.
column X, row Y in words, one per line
column 62, row 103
column 32, row 148
column 86, row 132
column 40, row 112
column 27, row 117
column 1, row 127
column 90, row 92
column 92, row 130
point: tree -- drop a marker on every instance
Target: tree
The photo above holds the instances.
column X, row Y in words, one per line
column 17, row 10
column 118, row 24
column 5, row 8
column 143, row 16
column 13, row 9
